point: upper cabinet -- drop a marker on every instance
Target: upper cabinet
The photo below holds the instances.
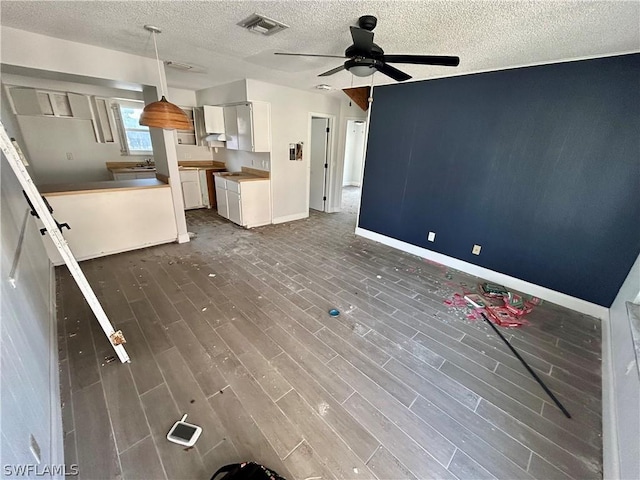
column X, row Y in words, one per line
column 213, row 119
column 188, row 137
column 248, row 126
column 29, row 101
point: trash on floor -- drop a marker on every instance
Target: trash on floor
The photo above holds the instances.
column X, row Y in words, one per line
column 334, row 312
column 504, row 308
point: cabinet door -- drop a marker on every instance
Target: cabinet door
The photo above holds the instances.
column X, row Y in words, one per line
column 146, row 175
column 214, row 119
column 245, row 135
column 231, row 127
column 261, row 126
column 124, row 176
column 191, row 195
column 221, row 199
column 235, row 209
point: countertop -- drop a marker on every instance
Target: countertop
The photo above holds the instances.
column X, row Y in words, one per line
column 132, row 169
column 87, row 187
column 242, row 177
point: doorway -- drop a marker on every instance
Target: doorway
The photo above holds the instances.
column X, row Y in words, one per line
column 319, row 163
column 353, row 163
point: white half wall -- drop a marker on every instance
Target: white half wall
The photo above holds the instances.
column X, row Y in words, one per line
column 113, row 221
column 291, row 111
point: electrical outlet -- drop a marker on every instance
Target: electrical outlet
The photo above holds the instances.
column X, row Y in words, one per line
column 431, row 237
column 69, row 156
column 476, row 249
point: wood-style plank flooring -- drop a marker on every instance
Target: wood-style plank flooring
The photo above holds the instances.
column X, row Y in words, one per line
column 232, row 329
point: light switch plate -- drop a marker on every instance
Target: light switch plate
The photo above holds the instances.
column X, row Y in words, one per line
column 476, row 249
column 432, row 236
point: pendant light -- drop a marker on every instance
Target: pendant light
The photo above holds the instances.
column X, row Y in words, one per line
column 162, row 114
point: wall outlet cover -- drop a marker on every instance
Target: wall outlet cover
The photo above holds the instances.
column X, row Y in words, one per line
column 476, row 249
column 431, row 237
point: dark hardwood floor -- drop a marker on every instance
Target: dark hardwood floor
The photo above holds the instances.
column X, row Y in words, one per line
column 232, row 329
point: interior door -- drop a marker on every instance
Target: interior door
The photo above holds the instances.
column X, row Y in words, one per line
column 318, row 162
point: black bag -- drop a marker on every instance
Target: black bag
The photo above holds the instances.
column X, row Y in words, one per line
column 247, row 471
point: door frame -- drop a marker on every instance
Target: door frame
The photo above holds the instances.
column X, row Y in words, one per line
column 330, row 157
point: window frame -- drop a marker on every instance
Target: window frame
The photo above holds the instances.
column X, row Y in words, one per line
column 123, row 129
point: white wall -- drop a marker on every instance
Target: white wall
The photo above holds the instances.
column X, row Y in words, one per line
column 49, row 139
column 291, row 111
column 29, row 382
column 353, row 153
column 621, row 386
column 228, row 93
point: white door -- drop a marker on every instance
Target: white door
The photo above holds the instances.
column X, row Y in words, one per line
column 231, row 127
column 235, row 209
column 318, row 162
column 191, row 195
column 245, row 138
column 221, row 201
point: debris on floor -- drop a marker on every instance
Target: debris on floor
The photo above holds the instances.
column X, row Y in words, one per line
column 504, row 308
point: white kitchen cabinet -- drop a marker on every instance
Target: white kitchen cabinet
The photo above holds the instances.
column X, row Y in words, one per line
column 80, row 106
column 191, row 194
column 248, row 127
column 133, row 175
column 235, row 207
column 246, row 203
column 187, row 137
column 231, row 127
column 29, row 101
column 214, row 119
column 221, row 200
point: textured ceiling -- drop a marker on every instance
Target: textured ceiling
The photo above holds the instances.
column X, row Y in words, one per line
column 486, row 35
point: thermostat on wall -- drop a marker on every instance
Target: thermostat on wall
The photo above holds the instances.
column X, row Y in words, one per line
column 184, row 433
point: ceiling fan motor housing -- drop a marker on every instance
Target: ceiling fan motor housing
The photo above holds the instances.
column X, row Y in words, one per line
column 368, row 22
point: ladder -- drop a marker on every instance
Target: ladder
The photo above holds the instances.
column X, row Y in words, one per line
column 14, row 157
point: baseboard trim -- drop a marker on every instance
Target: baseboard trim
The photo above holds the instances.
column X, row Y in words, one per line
column 57, row 263
column 291, row 218
column 553, row 296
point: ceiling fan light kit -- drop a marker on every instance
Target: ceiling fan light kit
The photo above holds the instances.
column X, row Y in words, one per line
column 163, row 114
column 364, row 57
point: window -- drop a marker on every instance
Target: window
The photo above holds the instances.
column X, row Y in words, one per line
column 137, row 139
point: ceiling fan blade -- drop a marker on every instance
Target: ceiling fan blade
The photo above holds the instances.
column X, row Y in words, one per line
column 310, row 55
column 392, row 72
column 332, row 71
column 362, row 39
column 424, row 60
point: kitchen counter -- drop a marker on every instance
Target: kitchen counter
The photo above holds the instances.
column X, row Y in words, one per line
column 132, row 169
column 74, row 188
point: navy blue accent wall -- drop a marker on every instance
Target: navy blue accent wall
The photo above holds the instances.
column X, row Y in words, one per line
column 539, row 165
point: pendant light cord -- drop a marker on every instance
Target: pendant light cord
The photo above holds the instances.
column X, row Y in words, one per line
column 155, row 46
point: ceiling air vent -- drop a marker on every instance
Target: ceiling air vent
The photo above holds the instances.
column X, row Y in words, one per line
column 178, row 65
column 262, row 25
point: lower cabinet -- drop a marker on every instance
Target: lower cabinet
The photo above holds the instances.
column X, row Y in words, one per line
column 246, row 203
column 191, row 192
column 221, row 200
column 133, row 175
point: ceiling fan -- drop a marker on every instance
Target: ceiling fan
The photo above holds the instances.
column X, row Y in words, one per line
column 365, row 57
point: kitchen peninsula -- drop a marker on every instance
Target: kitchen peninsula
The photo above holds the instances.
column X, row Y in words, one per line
column 111, row 216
